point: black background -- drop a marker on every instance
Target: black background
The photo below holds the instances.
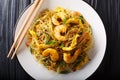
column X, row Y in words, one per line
column 109, row 11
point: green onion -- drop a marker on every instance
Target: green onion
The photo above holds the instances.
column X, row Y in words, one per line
column 81, row 18
column 78, row 61
column 64, row 21
column 51, row 42
column 62, row 45
column 31, row 50
column 90, row 29
column 80, row 58
column 62, row 63
column 64, row 72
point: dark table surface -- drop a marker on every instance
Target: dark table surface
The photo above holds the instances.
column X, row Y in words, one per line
column 109, row 11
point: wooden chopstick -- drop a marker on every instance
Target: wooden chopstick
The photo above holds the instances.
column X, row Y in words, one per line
column 28, row 24
column 23, row 26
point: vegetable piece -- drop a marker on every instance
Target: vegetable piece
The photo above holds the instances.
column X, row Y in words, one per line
column 64, row 21
column 52, row 42
column 82, row 20
column 64, row 72
column 31, row 50
column 62, row 45
column 90, row 29
column 62, row 63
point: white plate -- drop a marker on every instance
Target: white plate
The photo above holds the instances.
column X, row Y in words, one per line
column 39, row 72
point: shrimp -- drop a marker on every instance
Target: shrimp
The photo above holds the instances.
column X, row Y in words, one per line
column 70, row 59
column 58, row 31
column 52, row 53
column 58, row 18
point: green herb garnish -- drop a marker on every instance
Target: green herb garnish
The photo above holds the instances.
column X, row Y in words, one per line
column 62, row 63
column 90, row 29
column 64, row 72
column 81, row 18
column 62, row 45
column 31, row 50
column 64, row 21
column 51, row 42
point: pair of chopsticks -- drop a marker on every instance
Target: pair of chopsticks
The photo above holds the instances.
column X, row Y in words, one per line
column 28, row 21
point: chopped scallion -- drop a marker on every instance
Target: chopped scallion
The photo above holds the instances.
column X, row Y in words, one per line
column 31, row 50
column 51, row 42
column 62, row 63
column 64, row 72
column 81, row 18
column 62, row 45
column 64, row 21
